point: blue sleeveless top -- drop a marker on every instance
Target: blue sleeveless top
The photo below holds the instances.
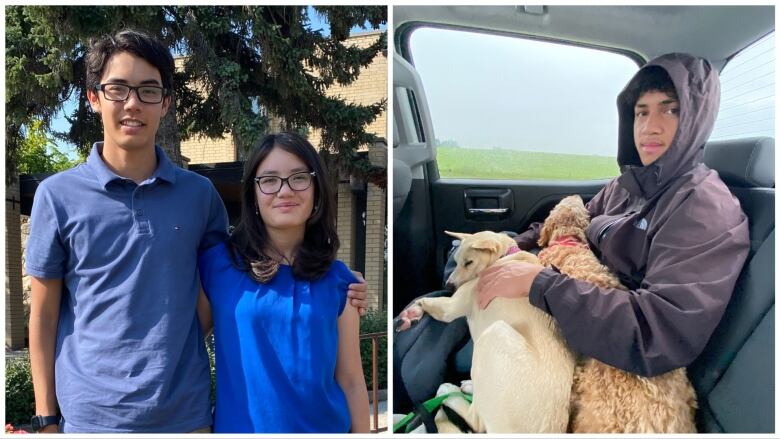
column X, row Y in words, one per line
column 276, row 347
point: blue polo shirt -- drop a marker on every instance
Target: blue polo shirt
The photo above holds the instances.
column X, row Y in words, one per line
column 129, row 353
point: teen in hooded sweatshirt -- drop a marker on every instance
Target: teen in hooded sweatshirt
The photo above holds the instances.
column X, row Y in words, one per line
column 667, row 226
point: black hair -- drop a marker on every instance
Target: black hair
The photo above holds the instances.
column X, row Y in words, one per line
column 248, row 244
column 653, row 78
column 135, row 43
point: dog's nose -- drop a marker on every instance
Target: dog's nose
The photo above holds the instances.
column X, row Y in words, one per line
column 449, row 286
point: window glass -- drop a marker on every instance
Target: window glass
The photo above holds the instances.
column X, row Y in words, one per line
column 747, row 93
column 513, row 108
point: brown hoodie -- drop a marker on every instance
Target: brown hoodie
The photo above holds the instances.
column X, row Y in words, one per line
column 673, row 233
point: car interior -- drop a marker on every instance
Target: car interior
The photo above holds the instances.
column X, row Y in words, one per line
column 734, row 376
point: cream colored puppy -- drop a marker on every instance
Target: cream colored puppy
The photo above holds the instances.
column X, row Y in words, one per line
column 521, row 369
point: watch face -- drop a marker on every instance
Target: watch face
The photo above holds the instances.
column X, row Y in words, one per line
column 36, row 423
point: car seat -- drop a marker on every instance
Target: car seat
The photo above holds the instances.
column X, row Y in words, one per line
column 734, row 376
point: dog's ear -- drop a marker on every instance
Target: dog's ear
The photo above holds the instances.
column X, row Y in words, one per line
column 544, row 235
column 490, row 245
column 460, row 236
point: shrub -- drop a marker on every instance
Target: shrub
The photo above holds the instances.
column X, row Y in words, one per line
column 9, row 429
column 374, row 321
column 19, row 396
column 213, row 371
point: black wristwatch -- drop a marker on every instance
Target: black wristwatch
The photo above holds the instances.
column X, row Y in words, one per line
column 39, row 422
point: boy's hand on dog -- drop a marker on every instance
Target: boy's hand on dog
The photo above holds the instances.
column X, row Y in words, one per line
column 357, row 294
column 512, row 280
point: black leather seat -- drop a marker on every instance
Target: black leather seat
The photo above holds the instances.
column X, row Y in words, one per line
column 734, row 376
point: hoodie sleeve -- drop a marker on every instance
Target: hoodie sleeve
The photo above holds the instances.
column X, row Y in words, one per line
column 694, row 261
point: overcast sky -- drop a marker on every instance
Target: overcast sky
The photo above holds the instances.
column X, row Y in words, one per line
column 487, row 91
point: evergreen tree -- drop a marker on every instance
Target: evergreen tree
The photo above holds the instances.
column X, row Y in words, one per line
column 242, row 63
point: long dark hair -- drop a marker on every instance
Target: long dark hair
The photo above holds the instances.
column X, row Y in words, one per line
column 249, row 242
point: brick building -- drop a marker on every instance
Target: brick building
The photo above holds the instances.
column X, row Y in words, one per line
column 14, row 297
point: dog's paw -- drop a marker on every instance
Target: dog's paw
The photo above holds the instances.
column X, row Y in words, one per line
column 446, row 388
column 408, row 317
column 466, row 386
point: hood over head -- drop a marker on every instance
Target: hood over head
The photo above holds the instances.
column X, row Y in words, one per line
column 698, row 92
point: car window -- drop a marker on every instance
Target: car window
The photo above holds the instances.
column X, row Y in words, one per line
column 513, row 108
column 747, row 90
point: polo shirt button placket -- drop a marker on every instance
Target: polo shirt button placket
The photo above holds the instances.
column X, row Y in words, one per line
column 141, row 222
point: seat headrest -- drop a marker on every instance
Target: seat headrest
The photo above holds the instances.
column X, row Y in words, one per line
column 748, row 162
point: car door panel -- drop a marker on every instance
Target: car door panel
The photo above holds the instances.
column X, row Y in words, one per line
column 526, row 201
column 413, row 243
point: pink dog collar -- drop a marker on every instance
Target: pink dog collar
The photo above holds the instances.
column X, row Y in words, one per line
column 512, row 250
column 567, row 240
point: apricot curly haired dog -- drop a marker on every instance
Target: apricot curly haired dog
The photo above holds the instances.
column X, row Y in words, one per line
column 606, row 399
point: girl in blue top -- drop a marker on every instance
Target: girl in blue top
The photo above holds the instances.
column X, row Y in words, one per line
column 287, row 347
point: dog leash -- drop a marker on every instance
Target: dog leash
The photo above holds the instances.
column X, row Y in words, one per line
column 429, row 406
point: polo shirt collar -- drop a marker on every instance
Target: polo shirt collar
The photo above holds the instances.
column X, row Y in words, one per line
column 164, row 171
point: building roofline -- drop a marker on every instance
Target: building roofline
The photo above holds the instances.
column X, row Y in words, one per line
column 366, row 33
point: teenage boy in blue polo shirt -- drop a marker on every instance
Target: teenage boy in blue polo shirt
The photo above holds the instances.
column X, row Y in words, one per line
column 115, row 343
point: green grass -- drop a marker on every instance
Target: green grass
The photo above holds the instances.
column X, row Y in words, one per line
column 500, row 164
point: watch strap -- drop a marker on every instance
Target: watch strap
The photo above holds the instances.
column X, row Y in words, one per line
column 39, row 422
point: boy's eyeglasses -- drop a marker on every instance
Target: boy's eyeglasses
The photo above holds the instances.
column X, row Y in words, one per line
column 148, row 94
column 271, row 184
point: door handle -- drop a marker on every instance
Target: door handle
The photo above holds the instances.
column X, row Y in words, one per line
column 488, row 204
column 489, row 211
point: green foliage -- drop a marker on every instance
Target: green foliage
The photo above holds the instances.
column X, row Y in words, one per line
column 212, row 369
column 374, row 321
column 19, row 396
column 522, row 165
column 39, row 154
column 243, row 63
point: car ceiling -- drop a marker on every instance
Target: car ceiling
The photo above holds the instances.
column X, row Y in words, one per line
column 713, row 32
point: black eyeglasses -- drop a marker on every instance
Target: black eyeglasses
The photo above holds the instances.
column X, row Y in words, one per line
column 148, row 94
column 271, row 184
